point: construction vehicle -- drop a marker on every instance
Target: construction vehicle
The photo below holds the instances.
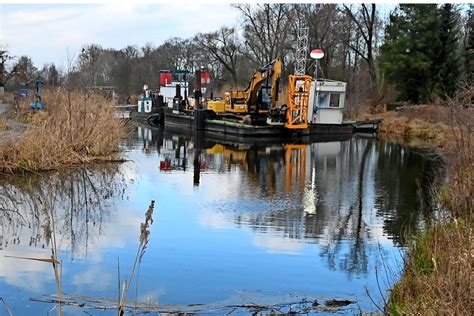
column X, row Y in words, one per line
column 260, row 95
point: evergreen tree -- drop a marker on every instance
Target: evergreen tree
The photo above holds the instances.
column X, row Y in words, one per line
column 408, row 54
column 448, row 58
column 469, row 53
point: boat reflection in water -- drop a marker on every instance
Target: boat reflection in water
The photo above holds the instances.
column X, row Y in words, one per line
column 234, row 222
column 340, row 195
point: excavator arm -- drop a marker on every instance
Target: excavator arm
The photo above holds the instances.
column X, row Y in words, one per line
column 275, row 82
column 273, row 71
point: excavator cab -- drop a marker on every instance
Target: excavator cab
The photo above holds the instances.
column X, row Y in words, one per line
column 264, row 97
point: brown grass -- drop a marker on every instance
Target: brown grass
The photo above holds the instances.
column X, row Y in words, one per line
column 76, row 128
column 437, row 278
column 429, row 122
column 3, row 124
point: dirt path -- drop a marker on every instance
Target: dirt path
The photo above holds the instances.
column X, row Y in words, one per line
column 14, row 128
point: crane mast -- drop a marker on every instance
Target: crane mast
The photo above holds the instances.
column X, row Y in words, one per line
column 301, row 50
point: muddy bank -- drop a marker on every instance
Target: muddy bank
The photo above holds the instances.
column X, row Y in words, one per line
column 10, row 130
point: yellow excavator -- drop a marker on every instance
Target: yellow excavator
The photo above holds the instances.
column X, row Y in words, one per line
column 261, row 97
column 256, row 98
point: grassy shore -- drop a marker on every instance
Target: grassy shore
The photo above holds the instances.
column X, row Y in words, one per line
column 437, row 276
column 76, row 128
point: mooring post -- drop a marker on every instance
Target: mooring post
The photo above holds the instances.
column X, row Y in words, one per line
column 199, row 125
column 197, row 90
column 199, row 113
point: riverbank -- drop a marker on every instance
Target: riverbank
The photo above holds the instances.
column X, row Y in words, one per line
column 77, row 128
column 436, row 277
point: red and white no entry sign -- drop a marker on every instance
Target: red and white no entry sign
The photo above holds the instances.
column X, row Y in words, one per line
column 316, row 54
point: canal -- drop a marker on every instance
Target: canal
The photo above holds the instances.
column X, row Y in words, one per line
column 236, row 227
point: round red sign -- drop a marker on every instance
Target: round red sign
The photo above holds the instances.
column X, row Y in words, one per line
column 317, row 54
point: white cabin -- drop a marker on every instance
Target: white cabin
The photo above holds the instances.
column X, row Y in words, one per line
column 326, row 102
column 169, row 92
column 145, row 103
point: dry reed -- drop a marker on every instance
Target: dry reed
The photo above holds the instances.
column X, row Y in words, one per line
column 143, row 239
column 76, row 128
column 437, row 277
column 429, row 122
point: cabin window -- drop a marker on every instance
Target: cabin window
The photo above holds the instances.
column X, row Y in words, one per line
column 323, row 99
column 334, row 100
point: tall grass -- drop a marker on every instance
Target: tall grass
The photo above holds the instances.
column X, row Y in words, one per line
column 3, row 124
column 75, row 128
column 437, row 278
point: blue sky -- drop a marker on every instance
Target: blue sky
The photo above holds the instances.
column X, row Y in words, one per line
column 46, row 32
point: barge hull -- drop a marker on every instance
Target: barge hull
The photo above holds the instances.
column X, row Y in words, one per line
column 240, row 130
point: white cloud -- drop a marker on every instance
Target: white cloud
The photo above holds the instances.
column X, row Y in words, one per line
column 216, row 220
column 45, row 32
column 278, row 244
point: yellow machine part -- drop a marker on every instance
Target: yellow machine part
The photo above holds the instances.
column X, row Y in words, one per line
column 245, row 101
column 216, row 106
column 298, row 100
column 235, row 102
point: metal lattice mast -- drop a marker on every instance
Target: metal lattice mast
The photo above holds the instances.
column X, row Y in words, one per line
column 301, row 50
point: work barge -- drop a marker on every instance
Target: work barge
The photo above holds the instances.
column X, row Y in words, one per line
column 313, row 107
column 212, row 124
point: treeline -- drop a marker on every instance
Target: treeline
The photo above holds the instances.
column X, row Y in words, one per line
column 418, row 52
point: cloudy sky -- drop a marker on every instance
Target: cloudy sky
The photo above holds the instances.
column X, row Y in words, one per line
column 46, row 32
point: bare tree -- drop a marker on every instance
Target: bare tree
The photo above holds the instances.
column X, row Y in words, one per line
column 50, row 74
column 25, row 71
column 88, row 63
column 266, row 31
column 5, row 75
column 325, row 23
column 223, row 45
column 124, row 68
column 365, row 18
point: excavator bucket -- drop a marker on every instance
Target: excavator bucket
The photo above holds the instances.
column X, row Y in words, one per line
column 298, row 100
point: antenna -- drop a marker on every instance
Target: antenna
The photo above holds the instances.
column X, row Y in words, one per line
column 301, row 49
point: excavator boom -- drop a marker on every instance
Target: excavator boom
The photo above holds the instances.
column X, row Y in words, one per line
column 273, row 71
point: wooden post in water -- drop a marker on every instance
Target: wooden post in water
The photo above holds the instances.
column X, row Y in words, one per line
column 199, row 125
column 197, row 90
column 199, row 113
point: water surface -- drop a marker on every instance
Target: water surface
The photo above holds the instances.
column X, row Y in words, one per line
column 233, row 223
